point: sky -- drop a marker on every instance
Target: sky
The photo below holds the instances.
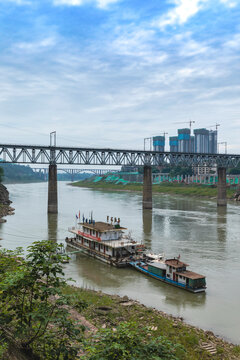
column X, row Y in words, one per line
column 109, row 73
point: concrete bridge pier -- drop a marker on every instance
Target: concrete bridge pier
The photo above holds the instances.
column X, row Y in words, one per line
column 222, row 187
column 52, row 189
column 72, row 175
column 147, row 187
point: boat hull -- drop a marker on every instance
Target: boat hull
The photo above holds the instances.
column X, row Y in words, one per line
column 96, row 255
column 165, row 280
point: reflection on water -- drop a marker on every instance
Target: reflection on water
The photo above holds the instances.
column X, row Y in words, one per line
column 147, row 227
column 221, row 223
column 194, row 300
column 207, row 238
column 52, row 227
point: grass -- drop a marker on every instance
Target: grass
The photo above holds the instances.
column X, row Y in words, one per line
column 108, row 311
column 164, row 188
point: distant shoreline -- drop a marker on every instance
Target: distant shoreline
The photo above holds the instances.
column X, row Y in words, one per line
column 193, row 190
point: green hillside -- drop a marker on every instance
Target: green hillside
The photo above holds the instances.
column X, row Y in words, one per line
column 19, row 173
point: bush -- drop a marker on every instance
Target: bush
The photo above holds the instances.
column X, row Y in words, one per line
column 128, row 342
column 34, row 310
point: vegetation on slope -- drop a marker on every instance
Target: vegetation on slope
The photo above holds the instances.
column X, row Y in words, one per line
column 19, row 173
column 33, row 316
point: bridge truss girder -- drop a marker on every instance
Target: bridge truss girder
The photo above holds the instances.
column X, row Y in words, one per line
column 86, row 156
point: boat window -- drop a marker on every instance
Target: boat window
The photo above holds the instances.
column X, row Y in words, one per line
column 170, row 269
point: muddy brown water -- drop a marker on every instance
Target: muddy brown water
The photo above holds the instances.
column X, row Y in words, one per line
column 206, row 237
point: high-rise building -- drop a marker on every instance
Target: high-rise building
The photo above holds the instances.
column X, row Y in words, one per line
column 173, row 143
column 183, row 140
column 192, row 144
column 158, row 143
column 213, row 141
column 201, row 140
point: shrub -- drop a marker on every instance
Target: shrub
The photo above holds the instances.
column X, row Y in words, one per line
column 128, row 342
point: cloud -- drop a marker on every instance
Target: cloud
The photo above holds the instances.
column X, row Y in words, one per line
column 103, row 4
column 183, row 10
column 186, row 9
column 117, row 74
column 230, row 3
column 17, row 2
column 68, row 2
column 36, row 46
column 234, row 43
column 188, row 46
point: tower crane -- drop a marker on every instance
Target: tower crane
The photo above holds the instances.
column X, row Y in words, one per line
column 163, row 133
column 216, row 125
column 190, row 122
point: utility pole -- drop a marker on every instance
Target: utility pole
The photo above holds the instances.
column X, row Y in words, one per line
column 164, row 133
column 53, row 136
column 190, row 125
column 223, row 143
column 148, row 138
column 190, row 140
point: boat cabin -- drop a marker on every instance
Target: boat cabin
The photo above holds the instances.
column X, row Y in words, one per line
column 105, row 239
column 174, row 270
column 173, row 266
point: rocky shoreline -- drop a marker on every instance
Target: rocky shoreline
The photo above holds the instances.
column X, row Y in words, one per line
column 5, row 208
column 237, row 195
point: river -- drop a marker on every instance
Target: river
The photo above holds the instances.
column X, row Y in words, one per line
column 206, row 237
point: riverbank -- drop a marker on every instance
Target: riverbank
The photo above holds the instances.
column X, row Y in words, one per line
column 5, row 208
column 108, row 311
column 114, row 325
column 196, row 190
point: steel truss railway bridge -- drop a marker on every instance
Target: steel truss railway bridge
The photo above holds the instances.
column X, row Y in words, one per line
column 73, row 172
column 59, row 155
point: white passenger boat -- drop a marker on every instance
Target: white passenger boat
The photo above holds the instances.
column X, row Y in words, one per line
column 105, row 241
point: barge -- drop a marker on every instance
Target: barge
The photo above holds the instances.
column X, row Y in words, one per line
column 105, row 241
column 171, row 271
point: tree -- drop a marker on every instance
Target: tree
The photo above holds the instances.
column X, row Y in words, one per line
column 34, row 313
column 234, row 171
column 181, row 170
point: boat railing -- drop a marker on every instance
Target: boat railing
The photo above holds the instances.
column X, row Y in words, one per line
column 71, row 228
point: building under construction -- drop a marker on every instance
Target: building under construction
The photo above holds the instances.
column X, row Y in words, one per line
column 203, row 141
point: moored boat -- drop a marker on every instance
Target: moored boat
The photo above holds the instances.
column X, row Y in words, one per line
column 105, row 241
column 171, row 271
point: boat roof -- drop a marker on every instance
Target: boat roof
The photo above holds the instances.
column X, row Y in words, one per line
column 102, row 226
column 157, row 264
column 175, row 263
column 191, row 275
